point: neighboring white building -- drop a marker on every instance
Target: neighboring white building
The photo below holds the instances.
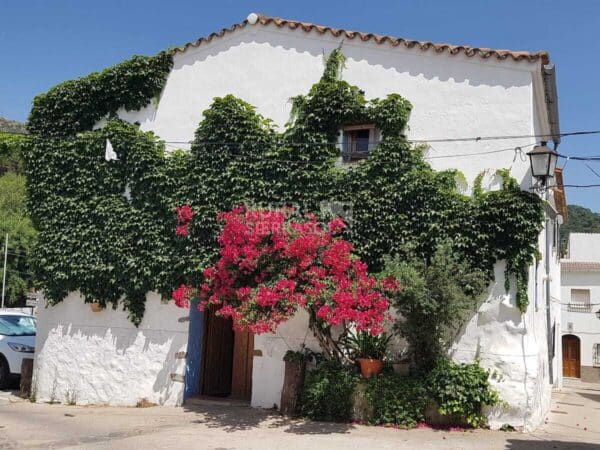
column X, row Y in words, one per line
column 456, row 91
column 580, row 303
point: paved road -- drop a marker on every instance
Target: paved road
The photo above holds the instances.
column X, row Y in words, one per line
column 573, row 423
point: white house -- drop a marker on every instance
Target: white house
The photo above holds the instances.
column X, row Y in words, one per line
column 580, row 302
column 456, row 92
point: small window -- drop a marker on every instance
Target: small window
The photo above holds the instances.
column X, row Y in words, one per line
column 596, row 355
column 357, row 141
column 580, row 300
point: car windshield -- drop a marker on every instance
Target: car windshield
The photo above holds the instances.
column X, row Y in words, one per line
column 14, row 325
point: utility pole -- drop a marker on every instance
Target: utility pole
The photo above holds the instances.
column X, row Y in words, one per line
column 4, row 274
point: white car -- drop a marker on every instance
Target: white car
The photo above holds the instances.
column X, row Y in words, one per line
column 17, row 341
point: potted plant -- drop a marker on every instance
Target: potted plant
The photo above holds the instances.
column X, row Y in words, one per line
column 368, row 350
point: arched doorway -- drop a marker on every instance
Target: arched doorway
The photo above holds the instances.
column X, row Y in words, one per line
column 571, row 356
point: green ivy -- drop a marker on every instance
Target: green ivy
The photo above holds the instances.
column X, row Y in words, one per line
column 94, row 240
column 77, row 105
column 91, row 237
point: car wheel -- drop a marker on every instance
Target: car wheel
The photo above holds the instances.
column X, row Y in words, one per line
column 4, row 373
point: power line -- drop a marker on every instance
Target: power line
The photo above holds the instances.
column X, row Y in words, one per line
column 421, row 140
column 579, row 158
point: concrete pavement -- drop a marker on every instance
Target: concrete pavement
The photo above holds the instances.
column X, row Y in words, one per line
column 573, row 423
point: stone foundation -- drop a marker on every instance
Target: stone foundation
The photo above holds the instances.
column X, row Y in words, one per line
column 590, row 374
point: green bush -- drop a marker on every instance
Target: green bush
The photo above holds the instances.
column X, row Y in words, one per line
column 438, row 295
column 459, row 390
column 462, row 390
column 328, row 393
column 396, row 400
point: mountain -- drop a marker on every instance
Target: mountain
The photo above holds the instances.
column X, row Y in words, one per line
column 11, row 126
column 581, row 220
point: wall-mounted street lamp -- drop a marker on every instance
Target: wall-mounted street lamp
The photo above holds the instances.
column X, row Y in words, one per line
column 543, row 163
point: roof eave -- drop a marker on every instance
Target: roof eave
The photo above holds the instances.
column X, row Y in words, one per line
column 438, row 48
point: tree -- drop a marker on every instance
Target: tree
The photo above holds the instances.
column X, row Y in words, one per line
column 437, row 296
column 10, row 153
column 15, row 221
column 273, row 263
column 581, row 220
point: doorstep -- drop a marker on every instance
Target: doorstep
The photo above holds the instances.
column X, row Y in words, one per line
column 206, row 400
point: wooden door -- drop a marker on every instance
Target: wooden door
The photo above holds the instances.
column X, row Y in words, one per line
column 571, row 356
column 218, row 355
column 243, row 353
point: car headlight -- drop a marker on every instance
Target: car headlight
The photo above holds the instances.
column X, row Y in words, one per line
column 21, row 348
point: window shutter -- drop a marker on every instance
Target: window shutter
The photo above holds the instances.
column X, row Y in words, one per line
column 580, row 296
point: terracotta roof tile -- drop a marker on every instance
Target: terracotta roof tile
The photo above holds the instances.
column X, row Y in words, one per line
column 484, row 53
column 580, row 266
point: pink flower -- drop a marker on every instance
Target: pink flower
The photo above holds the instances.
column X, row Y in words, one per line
column 184, row 219
column 337, row 226
column 182, row 295
column 272, row 263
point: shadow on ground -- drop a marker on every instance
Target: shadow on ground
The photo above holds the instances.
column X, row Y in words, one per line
column 241, row 418
column 12, row 388
column 518, row 444
column 593, row 397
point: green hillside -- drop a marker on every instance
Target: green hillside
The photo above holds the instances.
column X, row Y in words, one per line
column 581, row 220
column 11, row 126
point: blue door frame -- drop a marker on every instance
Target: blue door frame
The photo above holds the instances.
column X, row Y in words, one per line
column 193, row 364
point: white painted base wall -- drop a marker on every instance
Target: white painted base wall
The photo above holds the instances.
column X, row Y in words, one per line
column 268, row 369
column 103, row 359
column 513, row 346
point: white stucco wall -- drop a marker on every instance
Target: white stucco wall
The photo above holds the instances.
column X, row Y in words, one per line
column 514, row 345
column 101, row 358
column 584, row 246
column 453, row 96
column 583, row 324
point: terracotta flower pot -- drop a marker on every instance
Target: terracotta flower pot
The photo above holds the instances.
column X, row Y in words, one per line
column 96, row 307
column 370, row 367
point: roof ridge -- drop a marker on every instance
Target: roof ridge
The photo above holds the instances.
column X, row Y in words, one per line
column 439, row 48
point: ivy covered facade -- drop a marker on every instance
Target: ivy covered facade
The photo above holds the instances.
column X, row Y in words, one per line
column 258, row 116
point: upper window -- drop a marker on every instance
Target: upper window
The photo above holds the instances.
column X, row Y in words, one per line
column 357, row 141
column 580, row 300
column 596, row 355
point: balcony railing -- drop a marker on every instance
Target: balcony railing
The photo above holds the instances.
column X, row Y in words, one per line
column 579, row 307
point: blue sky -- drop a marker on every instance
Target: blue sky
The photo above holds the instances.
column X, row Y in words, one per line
column 45, row 42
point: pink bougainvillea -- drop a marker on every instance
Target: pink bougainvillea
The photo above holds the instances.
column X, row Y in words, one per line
column 273, row 263
column 184, row 219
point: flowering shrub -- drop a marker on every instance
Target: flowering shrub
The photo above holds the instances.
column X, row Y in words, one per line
column 273, row 262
